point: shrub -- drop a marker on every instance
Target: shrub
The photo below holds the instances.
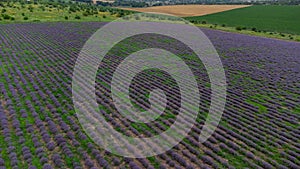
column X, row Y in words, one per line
column 238, row 28
column 197, row 22
column 3, row 10
column 72, row 9
column 104, row 16
column 42, row 8
column 23, row 14
column 102, row 10
column 6, row 17
column 30, row 8
column 25, row 18
column 137, row 18
column 126, row 18
column 204, row 22
column 85, row 14
column 66, row 17
column 223, row 25
column 254, row 29
column 12, row 18
column 119, row 15
column 77, row 17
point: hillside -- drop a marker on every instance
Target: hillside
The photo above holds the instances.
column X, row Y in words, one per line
column 12, row 12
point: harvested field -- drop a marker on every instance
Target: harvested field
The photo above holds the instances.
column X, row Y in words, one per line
column 188, row 10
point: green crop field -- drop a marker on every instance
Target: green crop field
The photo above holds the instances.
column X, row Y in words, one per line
column 264, row 18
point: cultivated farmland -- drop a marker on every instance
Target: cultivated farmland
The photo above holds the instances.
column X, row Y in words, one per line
column 261, row 17
column 188, row 10
column 39, row 129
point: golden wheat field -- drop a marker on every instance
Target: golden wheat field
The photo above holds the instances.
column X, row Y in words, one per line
column 188, row 10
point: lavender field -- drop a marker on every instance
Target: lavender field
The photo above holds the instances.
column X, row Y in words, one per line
column 260, row 127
